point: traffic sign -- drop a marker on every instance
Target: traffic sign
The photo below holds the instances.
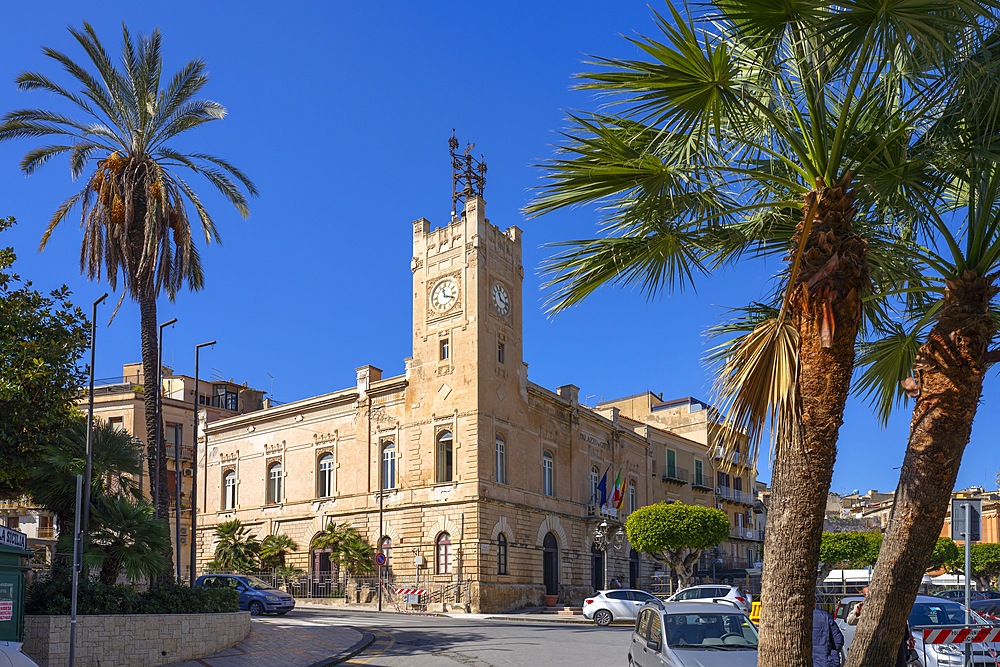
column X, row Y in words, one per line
column 958, row 528
column 380, row 559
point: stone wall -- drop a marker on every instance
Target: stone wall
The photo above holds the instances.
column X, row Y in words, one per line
column 134, row 640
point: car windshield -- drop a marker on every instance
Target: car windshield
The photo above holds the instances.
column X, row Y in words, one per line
column 257, row 584
column 710, row 631
column 940, row 613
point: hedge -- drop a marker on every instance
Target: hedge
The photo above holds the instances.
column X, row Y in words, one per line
column 54, row 597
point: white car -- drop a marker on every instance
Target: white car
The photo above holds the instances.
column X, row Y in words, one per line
column 929, row 611
column 621, row 604
column 692, row 635
column 714, row 593
column 11, row 656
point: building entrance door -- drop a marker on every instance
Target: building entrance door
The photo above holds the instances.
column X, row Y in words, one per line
column 633, row 569
column 550, row 564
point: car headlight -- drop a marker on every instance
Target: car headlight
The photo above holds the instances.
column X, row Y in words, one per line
column 272, row 598
column 948, row 649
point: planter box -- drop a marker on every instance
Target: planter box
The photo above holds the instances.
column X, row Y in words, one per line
column 137, row 640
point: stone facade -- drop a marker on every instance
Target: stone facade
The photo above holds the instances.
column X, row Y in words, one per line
column 134, row 640
column 488, row 478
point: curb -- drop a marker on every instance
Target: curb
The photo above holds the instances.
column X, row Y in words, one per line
column 366, row 640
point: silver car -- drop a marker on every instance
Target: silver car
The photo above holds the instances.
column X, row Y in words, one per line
column 692, row 634
column 929, row 611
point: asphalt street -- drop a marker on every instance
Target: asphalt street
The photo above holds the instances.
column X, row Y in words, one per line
column 402, row 640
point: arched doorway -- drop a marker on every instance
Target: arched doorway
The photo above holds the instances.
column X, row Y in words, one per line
column 597, row 568
column 550, row 564
column 633, row 568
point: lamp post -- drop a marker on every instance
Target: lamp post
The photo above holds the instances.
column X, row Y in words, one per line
column 88, row 467
column 159, row 415
column 194, row 470
column 608, row 535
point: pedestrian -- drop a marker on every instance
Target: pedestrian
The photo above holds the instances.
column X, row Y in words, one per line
column 903, row 653
column 827, row 640
column 615, row 583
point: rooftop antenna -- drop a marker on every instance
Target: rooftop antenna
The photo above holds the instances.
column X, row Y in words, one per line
column 468, row 175
column 586, row 399
column 272, row 383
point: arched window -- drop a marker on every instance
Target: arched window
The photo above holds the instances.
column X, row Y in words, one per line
column 274, row 474
column 501, row 554
column 548, row 488
column 632, row 498
column 229, row 490
column 501, row 460
column 445, row 457
column 388, row 465
column 442, row 563
column 594, row 481
column 385, row 546
column 325, row 476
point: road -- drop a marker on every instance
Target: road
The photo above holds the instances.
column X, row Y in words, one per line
column 430, row 641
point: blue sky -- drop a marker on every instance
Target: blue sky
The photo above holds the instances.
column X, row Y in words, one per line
column 340, row 112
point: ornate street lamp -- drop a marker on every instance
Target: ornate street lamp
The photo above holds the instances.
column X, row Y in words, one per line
column 608, row 535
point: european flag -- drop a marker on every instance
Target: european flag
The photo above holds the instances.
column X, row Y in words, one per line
column 602, row 488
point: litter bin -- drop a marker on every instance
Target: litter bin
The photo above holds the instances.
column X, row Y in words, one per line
column 13, row 564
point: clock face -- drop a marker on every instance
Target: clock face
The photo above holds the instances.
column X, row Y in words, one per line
column 501, row 301
column 445, row 295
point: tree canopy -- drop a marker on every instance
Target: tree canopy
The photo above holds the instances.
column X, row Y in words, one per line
column 855, row 549
column 42, row 338
column 677, row 533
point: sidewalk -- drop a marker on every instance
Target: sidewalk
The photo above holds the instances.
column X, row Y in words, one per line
column 529, row 614
column 297, row 646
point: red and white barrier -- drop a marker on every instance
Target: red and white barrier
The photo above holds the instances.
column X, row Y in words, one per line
column 411, row 591
column 977, row 634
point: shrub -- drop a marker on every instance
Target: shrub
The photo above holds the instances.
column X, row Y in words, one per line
column 54, row 597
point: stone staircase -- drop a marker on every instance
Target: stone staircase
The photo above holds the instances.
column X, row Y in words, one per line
column 562, row 611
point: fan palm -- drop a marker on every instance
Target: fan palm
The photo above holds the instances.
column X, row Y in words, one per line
column 766, row 127
column 333, row 538
column 133, row 205
column 946, row 345
column 127, row 536
column 273, row 549
column 236, row 548
column 356, row 557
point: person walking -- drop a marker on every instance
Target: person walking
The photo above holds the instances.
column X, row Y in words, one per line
column 827, row 640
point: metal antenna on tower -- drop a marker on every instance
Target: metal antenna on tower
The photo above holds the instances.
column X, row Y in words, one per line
column 468, row 175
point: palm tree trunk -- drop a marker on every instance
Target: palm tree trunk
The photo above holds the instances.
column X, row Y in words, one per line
column 150, row 374
column 826, row 309
column 950, row 369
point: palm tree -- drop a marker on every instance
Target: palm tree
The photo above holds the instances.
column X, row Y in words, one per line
column 356, row 557
column 767, row 127
column 128, row 536
column 333, row 538
column 133, row 205
column 940, row 355
column 273, row 549
column 237, row 548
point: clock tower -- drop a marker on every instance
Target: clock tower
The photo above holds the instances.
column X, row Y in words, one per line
column 467, row 370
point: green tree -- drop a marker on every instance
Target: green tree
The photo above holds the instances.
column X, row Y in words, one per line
column 944, row 554
column 847, row 549
column 357, row 557
column 41, row 340
column 677, row 533
column 273, row 549
column 985, row 562
column 335, row 538
column 126, row 535
column 134, row 203
column 775, row 129
column 237, row 548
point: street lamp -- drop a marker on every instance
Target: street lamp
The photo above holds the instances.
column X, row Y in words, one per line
column 194, row 474
column 89, row 466
column 608, row 536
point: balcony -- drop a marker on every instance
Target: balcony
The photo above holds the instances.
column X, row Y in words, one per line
column 675, row 475
column 46, row 533
column 700, row 483
column 742, row 533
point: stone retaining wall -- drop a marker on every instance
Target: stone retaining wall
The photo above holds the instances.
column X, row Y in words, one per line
column 135, row 640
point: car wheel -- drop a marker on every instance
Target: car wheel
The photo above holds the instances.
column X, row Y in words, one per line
column 256, row 609
column 603, row 617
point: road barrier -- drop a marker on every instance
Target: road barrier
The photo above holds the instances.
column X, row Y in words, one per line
column 959, row 634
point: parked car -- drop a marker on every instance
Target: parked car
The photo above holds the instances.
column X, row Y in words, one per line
column 988, row 609
column 11, row 656
column 713, row 593
column 692, row 634
column 958, row 594
column 928, row 610
column 620, row 604
column 256, row 595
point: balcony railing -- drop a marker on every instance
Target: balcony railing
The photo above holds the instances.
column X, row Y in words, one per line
column 701, row 482
column 734, row 495
column 742, row 533
column 672, row 473
column 46, row 533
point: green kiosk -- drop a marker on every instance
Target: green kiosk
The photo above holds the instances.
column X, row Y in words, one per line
column 13, row 564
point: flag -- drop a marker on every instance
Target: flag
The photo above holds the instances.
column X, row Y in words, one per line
column 620, row 491
column 616, row 493
column 602, row 489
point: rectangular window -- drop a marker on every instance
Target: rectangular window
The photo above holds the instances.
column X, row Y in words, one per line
column 274, row 475
column 547, row 469
column 388, row 465
column 13, row 522
column 173, row 434
column 671, row 463
column 445, row 349
column 117, row 422
column 45, row 528
column 698, row 473
column 500, row 352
